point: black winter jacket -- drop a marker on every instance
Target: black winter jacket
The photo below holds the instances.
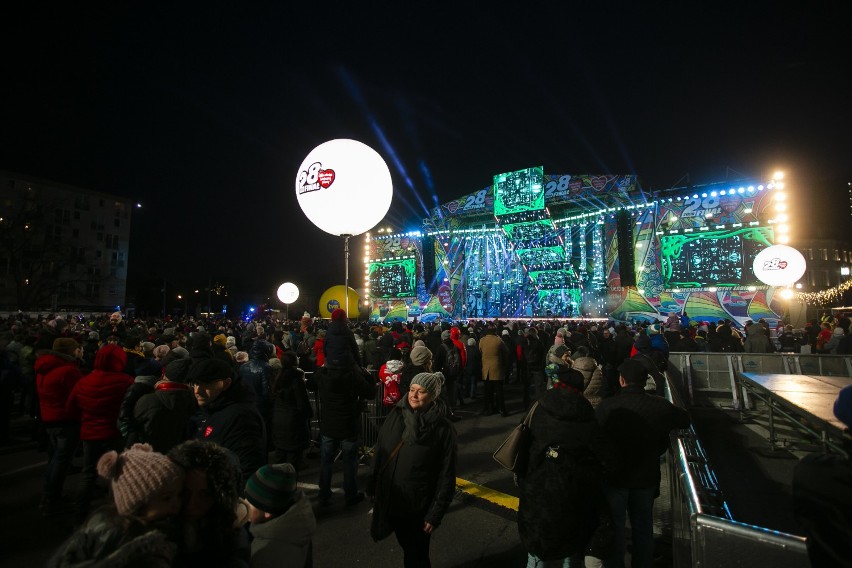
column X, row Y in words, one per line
column 561, row 495
column 421, row 480
column 233, row 422
column 340, row 347
column 340, row 391
column 291, row 411
column 639, row 424
column 163, row 416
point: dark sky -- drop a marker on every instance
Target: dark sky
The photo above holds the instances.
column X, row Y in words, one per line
column 203, row 112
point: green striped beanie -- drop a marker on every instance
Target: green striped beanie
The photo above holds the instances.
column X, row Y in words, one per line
column 272, row 487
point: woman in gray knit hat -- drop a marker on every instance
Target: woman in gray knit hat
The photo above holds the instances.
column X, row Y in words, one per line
column 414, row 469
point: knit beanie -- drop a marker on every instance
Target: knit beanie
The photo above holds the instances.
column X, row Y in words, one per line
column 230, row 341
column 207, row 371
column 445, row 335
column 272, row 487
column 432, row 382
column 136, row 475
column 65, row 345
column 178, row 370
column 338, row 315
column 420, row 355
column 241, row 357
column 843, row 406
column 220, row 340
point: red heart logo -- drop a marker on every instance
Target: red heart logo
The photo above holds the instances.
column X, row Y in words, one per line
column 325, row 177
column 575, row 185
column 599, row 182
column 782, row 265
column 452, row 206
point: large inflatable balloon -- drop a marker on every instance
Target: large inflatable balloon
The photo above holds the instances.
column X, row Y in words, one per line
column 288, row 292
column 335, row 297
column 344, row 187
column 779, row 265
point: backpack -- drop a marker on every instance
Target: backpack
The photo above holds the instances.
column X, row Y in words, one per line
column 305, row 347
column 452, row 363
column 391, row 394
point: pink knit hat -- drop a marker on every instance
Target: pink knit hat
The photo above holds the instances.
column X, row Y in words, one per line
column 136, row 475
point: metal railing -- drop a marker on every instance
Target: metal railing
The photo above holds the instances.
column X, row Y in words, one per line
column 703, row 530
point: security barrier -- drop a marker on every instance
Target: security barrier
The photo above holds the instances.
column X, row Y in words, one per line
column 703, row 531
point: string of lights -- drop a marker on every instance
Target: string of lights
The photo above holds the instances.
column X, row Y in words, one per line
column 823, row 297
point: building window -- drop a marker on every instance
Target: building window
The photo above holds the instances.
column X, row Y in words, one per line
column 810, row 253
column 824, row 253
column 827, row 278
column 836, row 254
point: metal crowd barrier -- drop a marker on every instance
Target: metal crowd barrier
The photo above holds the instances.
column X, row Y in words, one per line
column 373, row 414
column 703, row 531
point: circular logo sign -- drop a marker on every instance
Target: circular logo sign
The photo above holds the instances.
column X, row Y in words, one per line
column 344, row 187
column 288, row 293
column 332, row 305
column 779, row 265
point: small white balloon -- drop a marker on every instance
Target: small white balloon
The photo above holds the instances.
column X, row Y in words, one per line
column 344, row 187
column 779, row 265
column 288, row 292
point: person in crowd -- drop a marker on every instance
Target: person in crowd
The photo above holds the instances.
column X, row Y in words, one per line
column 146, row 376
column 685, row 343
column 421, row 362
column 832, row 344
column 534, row 354
column 57, row 372
column 757, row 340
column 220, row 348
column 282, row 519
column 822, row 496
column 371, row 351
column 213, row 531
column 340, row 345
column 317, row 354
column 639, row 424
column 561, row 505
column 257, row 374
column 823, row 337
column 494, row 356
column 787, row 341
column 228, row 414
column 450, row 362
column 515, row 365
column 725, row 341
column 132, row 343
column 340, row 392
column 414, row 469
column 291, row 413
column 594, row 386
column 473, row 368
column 137, row 528
column 115, row 326
column 644, row 354
column 95, row 401
column 560, row 366
column 672, row 328
column 163, row 416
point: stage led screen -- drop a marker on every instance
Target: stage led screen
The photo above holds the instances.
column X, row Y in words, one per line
column 712, row 258
column 393, row 278
column 519, row 191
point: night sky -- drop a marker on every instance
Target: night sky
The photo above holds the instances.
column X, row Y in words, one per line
column 204, row 112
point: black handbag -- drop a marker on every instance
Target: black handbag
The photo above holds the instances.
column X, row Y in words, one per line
column 513, row 454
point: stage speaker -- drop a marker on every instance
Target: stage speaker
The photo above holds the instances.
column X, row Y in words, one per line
column 626, row 261
column 429, row 263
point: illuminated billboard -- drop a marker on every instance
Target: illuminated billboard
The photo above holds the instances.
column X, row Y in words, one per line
column 393, row 278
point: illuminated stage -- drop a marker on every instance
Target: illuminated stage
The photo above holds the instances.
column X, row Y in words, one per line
column 533, row 245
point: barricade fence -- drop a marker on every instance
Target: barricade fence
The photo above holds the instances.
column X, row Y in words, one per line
column 703, row 531
column 373, row 414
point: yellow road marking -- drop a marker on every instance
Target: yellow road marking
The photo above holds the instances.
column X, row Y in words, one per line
column 490, row 495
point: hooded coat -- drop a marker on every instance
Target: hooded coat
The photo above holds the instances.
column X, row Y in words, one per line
column 561, row 499
column 593, row 381
column 757, row 340
column 285, row 540
column 291, row 411
column 163, row 416
column 56, row 374
column 97, row 397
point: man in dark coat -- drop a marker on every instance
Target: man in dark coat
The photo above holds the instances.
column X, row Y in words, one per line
column 228, row 414
column 340, row 348
column 163, row 416
column 639, row 424
column 340, row 391
column 534, row 354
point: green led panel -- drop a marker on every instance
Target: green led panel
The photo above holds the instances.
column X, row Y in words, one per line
column 393, row 278
column 519, row 191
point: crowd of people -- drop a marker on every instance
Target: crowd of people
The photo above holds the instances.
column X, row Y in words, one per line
column 201, row 426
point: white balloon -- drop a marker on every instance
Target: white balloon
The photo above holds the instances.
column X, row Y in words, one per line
column 779, row 265
column 344, row 187
column 288, row 292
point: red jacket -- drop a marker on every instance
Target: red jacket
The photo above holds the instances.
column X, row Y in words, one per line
column 97, row 397
column 56, row 374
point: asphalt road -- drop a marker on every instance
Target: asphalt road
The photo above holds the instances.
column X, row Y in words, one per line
column 475, row 532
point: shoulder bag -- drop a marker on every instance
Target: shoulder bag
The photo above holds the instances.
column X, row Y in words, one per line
column 513, row 453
